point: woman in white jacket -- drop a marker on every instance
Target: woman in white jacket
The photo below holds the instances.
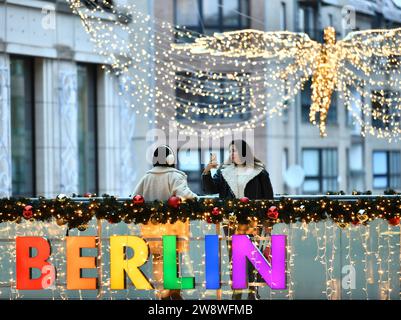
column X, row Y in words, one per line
column 160, row 183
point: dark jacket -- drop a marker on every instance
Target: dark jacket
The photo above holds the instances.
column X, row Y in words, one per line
column 259, row 187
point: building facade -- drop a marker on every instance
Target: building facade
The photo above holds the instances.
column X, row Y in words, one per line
column 341, row 161
column 64, row 128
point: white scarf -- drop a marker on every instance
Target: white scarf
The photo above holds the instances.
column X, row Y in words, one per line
column 237, row 177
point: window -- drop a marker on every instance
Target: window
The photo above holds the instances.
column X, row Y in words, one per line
column 284, row 167
column 381, row 111
column 283, row 16
column 355, row 108
column 22, row 127
column 219, row 94
column 386, row 169
column 107, row 5
column 355, row 167
column 209, row 16
column 306, row 20
column 331, row 20
column 321, row 170
column 192, row 162
column 306, row 101
column 87, row 128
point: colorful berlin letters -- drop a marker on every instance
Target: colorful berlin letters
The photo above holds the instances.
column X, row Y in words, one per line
column 34, row 253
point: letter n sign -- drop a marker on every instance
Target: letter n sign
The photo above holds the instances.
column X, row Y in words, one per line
column 243, row 248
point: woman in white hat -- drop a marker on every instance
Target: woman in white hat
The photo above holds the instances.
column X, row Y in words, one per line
column 160, row 183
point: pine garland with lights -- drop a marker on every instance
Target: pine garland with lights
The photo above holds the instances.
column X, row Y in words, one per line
column 77, row 214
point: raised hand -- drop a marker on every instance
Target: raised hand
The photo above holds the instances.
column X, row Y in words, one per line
column 212, row 163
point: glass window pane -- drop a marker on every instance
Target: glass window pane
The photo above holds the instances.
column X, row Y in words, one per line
column 329, row 163
column 380, row 112
column 87, row 135
column 189, row 160
column 226, row 155
column 332, row 114
column 395, row 163
column 395, row 182
column 395, row 169
column 380, row 163
column 245, row 19
column 329, row 184
column 211, row 12
column 311, row 18
column 231, row 12
column 283, row 21
column 187, row 13
column 301, row 19
column 311, row 162
column 355, row 110
column 380, row 182
column 311, row 186
column 306, row 94
column 22, row 101
column 355, row 157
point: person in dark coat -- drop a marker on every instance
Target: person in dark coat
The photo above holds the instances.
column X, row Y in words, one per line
column 242, row 175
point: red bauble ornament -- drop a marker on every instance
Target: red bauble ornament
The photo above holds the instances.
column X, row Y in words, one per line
column 174, row 202
column 27, row 213
column 272, row 213
column 267, row 254
column 355, row 222
column 215, row 211
column 138, row 200
column 244, row 199
column 209, row 219
column 394, row 221
column 87, row 195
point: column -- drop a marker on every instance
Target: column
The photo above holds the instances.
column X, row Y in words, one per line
column 108, row 135
column 5, row 128
column 68, row 127
column 47, row 135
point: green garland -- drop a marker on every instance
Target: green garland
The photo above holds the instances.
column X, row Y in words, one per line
column 77, row 214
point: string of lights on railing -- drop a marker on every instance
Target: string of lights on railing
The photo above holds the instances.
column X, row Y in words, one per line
column 77, row 212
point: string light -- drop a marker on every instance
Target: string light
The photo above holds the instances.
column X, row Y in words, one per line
column 266, row 71
column 366, row 62
column 247, row 86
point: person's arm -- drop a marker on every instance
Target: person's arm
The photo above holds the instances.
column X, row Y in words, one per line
column 267, row 189
column 211, row 184
column 180, row 187
column 267, row 193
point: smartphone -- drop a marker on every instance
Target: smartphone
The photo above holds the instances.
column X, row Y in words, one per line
column 212, row 157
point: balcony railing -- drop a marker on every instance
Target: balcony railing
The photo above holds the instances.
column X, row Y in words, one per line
column 318, row 254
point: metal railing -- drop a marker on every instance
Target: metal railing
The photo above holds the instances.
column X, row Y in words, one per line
column 348, row 197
